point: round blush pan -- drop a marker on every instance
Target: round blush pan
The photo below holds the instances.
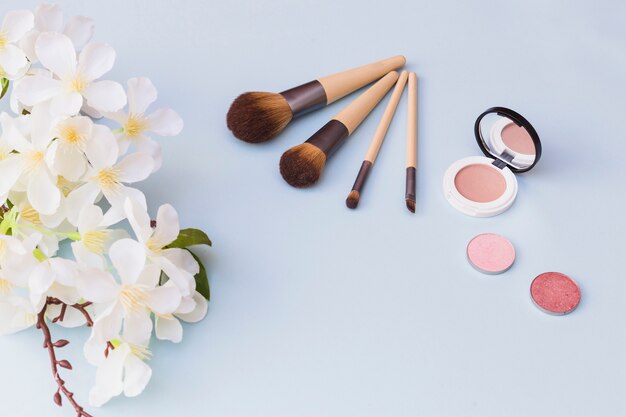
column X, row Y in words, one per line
column 555, row 293
column 490, row 253
column 518, row 139
column 480, row 183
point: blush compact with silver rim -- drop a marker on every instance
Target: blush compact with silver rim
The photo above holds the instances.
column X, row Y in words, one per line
column 485, row 186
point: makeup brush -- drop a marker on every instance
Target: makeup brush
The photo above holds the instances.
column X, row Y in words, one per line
column 353, row 198
column 411, row 144
column 259, row 116
column 302, row 165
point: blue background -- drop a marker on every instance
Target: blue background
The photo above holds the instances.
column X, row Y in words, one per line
column 322, row 311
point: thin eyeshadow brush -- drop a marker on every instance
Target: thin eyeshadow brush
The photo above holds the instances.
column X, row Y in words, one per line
column 259, row 116
column 411, row 144
column 302, row 165
column 353, row 198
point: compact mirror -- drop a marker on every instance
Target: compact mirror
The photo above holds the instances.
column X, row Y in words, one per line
column 484, row 186
column 507, row 137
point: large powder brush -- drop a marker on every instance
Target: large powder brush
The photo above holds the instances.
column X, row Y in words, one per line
column 259, row 116
column 302, row 165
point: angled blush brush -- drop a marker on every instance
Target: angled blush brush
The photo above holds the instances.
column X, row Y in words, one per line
column 259, row 116
column 302, row 165
column 379, row 136
column 411, row 144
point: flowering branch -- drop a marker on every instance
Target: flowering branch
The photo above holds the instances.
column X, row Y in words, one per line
column 50, row 345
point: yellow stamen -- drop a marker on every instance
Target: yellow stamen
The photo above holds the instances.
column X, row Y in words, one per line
column 33, row 159
column 95, row 240
column 109, row 178
column 135, row 125
column 77, row 85
column 65, row 186
column 142, row 352
column 133, row 298
column 69, row 134
column 3, row 40
column 30, row 215
column 6, row 287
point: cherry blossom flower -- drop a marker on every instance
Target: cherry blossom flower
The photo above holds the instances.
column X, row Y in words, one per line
column 74, row 80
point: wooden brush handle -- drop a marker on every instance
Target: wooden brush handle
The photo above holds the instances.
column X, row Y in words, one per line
column 355, row 112
column 381, row 131
column 411, row 128
column 343, row 83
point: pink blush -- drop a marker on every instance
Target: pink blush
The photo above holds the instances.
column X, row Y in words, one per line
column 491, row 253
column 480, row 183
column 518, row 139
column 555, row 293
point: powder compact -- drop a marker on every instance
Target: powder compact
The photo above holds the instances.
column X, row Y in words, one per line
column 484, row 186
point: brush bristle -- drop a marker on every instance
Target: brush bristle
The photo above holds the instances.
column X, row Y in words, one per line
column 302, row 165
column 353, row 199
column 257, row 116
column 410, row 204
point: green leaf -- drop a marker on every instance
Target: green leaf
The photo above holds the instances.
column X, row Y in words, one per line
column 202, row 280
column 190, row 237
column 5, row 86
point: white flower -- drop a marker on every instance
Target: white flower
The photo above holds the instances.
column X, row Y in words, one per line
column 192, row 309
column 122, row 371
column 16, row 314
column 107, row 176
column 178, row 264
column 13, row 60
column 131, row 301
column 136, row 123
column 28, row 169
column 68, row 149
column 74, row 80
column 54, row 277
column 49, row 18
column 95, row 237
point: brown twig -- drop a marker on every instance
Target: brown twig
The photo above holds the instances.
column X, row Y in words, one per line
column 63, row 363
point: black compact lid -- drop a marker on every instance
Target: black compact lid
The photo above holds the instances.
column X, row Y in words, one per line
column 486, row 119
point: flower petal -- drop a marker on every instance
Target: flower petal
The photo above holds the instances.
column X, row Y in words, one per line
column 10, row 170
column 198, row 312
column 97, row 285
column 16, row 23
column 137, row 374
column 48, row 18
column 109, row 376
column 37, row 88
column 42, row 192
column 69, row 162
column 105, row 96
column 165, row 122
column 66, row 103
column 168, row 328
column 141, row 93
column 95, row 60
column 56, row 52
column 101, row 150
column 164, row 299
column 128, row 258
column 85, row 257
column 80, row 197
column 183, row 259
column 167, row 226
column 12, row 59
column 80, row 30
column 135, row 167
column 90, row 218
column 139, row 219
column 151, row 147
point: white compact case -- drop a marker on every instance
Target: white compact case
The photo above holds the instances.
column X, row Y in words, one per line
column 484, row 186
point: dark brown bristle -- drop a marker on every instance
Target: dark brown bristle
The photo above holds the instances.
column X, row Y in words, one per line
column 410, row 204
column 302, row 165
column 257, row 116
column 353, row 199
